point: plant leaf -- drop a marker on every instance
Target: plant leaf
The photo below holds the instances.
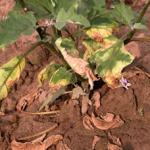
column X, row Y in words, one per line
column 56, row 75
column 139, row 26
column 9, row 73
column 111, row 61
column 123, row 14
column 64, row 17
column 47, row 72
column 77, row 64
column 40, row 8
column 62, row 77
column 17, row 24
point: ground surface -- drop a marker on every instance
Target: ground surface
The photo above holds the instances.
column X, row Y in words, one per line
column 132, row 105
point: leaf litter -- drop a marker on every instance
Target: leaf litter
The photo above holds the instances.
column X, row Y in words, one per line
column 36, row 144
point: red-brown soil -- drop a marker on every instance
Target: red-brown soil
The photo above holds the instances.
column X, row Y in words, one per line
column 133, row 105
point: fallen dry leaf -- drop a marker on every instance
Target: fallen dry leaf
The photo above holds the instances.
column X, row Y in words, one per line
column 114, row 147
column 26, row 100
column 87, row 123
column 105, row 124
column 62, row 146
column 96, row 97
column 108, row 117
column 113, row 139
column 36, row 144
column 77, row 92
column 95, row 140
column 85, row 104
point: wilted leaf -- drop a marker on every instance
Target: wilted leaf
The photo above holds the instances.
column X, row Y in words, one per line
column 16, row 25
column 9, row 73
column 105, row 124
column 87, row 123
column 110, row 62
column 36, row 145
column 78, row 65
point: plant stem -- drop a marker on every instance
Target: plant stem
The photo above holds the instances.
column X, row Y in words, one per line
column 32, row 48
column 130, row 34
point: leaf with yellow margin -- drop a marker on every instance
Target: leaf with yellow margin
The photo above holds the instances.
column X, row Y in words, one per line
column 9, row 73
column 111, row 61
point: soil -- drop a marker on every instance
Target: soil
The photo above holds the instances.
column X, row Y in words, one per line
column 133, row 105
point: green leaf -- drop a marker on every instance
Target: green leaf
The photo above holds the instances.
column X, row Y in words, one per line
column 69, row 45
column 9, row 73
column 139, row 26
column 64, row 17
column 110, row 62
column 41, row 8
column 56, row 75
column 17, row 24
column 123, row 14
column 47, row 72
column 62, row 77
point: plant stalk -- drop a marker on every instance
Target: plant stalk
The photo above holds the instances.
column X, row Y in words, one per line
column 130, row 34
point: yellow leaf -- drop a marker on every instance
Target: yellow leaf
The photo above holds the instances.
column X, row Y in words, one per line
column 9, row 73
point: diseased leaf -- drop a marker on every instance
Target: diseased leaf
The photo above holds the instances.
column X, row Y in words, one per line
column 78, row 65
column 62, row 77
column 111, row 61
column 17, row 24
column 47, row 72
column 9, row 73
column 69, row 45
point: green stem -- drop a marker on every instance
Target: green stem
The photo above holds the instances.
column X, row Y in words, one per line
column 130, row 34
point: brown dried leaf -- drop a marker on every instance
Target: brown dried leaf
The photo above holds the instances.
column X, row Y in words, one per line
column 113, row 139
column 114, row 147
column 108, row 117
column 85, row 104
column 95, row 140
column 62, row 146
column 105, row 124
column 36, row 144
column 27, row 146
column 77, row 92
column 96, row 97
column 87, row 123
column 26, row 100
